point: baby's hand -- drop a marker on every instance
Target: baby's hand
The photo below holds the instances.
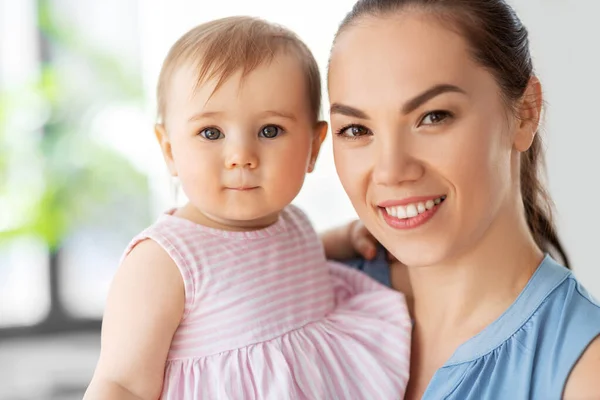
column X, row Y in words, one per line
column 350, row 240
column 361, row 240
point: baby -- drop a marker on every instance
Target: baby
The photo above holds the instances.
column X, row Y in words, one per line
column 231, row 296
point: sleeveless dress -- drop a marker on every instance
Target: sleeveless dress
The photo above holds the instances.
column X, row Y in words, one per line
column 529, row 351
column 268, row 317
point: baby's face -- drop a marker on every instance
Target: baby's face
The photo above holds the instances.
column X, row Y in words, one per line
column 242, row 152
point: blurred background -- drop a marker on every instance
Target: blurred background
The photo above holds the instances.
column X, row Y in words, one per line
column 81, row 174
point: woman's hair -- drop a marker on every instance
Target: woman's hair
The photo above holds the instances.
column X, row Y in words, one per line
column 220, row 48
column 499, row 42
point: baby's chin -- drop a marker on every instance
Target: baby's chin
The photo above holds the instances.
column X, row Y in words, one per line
column 246, row 219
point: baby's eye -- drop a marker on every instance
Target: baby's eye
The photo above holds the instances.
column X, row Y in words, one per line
column 435, row 117
column 353, row 131
column 270, row 131
column 211, row 134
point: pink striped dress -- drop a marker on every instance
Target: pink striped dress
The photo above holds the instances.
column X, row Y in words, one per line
column 267, row 317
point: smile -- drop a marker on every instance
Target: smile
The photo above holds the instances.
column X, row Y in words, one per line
column 411, row 215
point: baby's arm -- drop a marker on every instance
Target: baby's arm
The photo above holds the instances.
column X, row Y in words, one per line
column 144, row 307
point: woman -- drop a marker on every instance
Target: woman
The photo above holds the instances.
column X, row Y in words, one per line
column 439, row 102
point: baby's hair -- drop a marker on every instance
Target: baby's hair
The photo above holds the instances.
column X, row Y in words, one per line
column 220, row 48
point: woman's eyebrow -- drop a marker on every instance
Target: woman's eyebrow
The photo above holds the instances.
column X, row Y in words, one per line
column 429, row 94
column 407, row 108
column 337, row 108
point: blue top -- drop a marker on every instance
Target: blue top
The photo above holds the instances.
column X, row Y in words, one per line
column 529, row 351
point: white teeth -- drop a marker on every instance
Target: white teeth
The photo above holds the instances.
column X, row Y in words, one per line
column 401, row 212
column 412, row 210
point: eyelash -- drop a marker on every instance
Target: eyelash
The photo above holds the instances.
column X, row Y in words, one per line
column 340, row 132
column 280, row 131
column 200, row 133
column 445, row 116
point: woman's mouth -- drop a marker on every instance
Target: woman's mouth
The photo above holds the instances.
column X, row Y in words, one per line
column 411, row 210
column 411, row 215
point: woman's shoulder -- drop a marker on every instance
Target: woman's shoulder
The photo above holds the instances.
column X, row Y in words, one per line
column 560, row 330
column 573, row 323
column 533, row 347
column 558, row 320
column 583, row 380
column 569, row 306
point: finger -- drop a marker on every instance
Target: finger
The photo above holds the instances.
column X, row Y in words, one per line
column 366, row 248
column 360, row 231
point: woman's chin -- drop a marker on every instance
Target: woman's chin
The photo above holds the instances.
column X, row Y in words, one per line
column 419, row 255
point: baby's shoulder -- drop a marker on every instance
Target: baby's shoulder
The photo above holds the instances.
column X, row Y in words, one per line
column 294, row 216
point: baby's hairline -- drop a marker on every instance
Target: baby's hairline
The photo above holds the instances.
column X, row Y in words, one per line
column 200, row 79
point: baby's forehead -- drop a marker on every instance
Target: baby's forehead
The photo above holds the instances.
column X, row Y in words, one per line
column 283, row 75
column 202, row 71
column 219, row 49
column 279, row 87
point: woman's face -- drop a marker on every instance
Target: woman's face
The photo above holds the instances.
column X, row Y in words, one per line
column 423, row 142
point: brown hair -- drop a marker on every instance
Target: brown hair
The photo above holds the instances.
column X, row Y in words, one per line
column 220, row 48
column 499, row 42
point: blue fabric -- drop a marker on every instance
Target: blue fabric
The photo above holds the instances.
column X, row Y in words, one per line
column 378, row 268
column 529, row 351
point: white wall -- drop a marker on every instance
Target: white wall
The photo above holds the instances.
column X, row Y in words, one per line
column 565, row 36
column 565, row 39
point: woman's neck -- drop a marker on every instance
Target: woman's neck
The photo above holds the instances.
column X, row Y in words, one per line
column 470, row 291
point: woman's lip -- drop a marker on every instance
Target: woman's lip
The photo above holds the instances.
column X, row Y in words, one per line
column 408, row 200
column 410, row 223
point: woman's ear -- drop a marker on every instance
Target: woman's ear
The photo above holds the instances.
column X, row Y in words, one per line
column 529, row 113
column 165, row 145
column 319, row 133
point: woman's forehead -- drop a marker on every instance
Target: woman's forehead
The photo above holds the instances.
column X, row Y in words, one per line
column 409, row 51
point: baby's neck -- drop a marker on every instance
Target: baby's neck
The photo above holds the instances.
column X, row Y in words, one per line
column 191, row 213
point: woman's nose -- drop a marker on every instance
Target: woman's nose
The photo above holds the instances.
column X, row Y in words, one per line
column 395, row 162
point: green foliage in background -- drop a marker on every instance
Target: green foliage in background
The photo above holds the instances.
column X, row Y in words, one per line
column 53, row 175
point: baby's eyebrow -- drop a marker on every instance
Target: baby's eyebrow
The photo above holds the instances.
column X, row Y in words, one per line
column 204, row 114
column 277, row 113
column 268, row 113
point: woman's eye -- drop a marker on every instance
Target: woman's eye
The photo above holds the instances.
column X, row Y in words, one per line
column 435, row 117
column 211, row 134
column 270, row 131
column 353, row 131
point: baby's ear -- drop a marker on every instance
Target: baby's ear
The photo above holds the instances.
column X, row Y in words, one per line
column 319, row 134
column 165, row 145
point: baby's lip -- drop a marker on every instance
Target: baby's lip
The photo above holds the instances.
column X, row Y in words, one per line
column 243, row 188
